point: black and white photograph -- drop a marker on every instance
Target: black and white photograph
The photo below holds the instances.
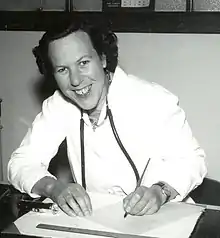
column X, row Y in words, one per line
column 110, row 118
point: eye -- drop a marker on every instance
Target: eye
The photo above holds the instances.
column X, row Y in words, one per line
column 62, row 70
column 83, row 62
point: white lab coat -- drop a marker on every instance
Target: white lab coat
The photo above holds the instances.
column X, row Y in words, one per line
column 150, row 124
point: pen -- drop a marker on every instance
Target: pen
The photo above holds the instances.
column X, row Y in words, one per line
column 139, row 181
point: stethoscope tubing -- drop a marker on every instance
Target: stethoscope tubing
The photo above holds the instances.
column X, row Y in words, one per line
column 109, row 113
column 111, row 120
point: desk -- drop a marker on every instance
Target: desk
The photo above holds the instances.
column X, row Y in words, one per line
column 207, row 225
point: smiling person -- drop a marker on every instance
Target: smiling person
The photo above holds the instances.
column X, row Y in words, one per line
column 114, row 124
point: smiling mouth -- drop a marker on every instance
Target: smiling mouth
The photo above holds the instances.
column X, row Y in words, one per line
column 84, row 91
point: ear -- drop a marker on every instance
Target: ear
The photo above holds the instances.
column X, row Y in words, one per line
column 104, row 62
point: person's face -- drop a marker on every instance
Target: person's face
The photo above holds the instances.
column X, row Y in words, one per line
column 78, row 70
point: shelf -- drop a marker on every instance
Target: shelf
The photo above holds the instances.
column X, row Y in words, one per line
column 123, row 21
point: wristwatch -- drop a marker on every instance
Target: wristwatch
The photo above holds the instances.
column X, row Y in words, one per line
column 165, row 190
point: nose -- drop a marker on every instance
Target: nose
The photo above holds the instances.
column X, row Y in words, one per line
column 75, row 78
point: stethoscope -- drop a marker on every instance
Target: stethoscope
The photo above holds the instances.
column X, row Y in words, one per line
column 110, row 116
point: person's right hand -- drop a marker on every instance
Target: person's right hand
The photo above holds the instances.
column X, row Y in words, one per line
column 71, row 198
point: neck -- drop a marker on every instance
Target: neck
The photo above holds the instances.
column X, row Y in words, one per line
column 95, row 113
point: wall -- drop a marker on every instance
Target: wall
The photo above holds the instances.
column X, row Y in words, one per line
column 19, row 75
column 96, row 5
column 187, row 65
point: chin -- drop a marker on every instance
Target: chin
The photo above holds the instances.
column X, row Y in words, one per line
column 87, row 107
column 83, row 105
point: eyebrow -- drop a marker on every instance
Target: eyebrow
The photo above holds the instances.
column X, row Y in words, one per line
column 59, row 66
column 84, row 56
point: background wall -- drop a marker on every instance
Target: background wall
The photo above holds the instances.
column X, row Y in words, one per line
column 18, row 78
column 96, row 5
column 187, row 65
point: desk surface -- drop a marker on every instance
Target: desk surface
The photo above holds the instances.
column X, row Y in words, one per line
column 172, row 218
column 207, row 225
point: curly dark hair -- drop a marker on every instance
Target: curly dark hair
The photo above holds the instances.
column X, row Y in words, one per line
column 103, row 39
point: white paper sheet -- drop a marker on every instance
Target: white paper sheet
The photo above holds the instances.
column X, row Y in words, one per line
column 173, row 220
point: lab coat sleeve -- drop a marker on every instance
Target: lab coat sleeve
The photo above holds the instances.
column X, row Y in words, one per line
column 29, row 163
column 178, row 158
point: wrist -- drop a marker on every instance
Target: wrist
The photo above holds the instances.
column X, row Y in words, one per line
column 44, row 186
column 49, row 186
column 162, row 197
column 164, row 191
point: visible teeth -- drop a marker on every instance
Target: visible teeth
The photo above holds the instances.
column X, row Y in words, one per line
column 83, row 91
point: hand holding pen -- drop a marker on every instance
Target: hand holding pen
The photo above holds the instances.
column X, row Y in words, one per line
column 143, row 200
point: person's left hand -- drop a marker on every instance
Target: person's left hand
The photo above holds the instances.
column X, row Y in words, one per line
column 143, row 201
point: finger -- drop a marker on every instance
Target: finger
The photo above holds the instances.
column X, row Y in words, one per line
column 83, row 206
column 139, row 206
column 135, row 198
column 81, row 198
column 73, row 203
column 154, row 206
column 148, row 210
column 65, row 207
column 152, row 210
column 68, row 210
column 151, row 207
column 148, row 206
column 86, row 205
